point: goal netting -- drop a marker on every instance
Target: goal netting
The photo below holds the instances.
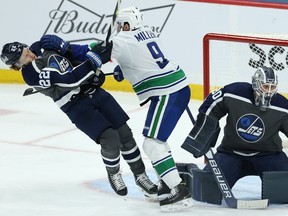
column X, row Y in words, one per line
column 235, row 58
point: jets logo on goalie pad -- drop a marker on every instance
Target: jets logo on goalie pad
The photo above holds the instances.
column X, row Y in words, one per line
column 250, row 128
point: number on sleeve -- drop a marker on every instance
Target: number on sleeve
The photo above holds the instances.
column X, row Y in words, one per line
column 44, row 79
column 216, row 94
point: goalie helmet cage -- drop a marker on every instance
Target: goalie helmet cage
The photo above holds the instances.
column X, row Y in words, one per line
column 234, row 58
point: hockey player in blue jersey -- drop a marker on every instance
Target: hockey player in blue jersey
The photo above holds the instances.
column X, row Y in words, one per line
column 255, row 115
column 70, row 74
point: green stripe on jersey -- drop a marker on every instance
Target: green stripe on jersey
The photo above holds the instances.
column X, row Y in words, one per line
column 160, row 81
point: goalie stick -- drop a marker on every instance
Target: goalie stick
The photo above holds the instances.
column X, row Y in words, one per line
column 222, row 183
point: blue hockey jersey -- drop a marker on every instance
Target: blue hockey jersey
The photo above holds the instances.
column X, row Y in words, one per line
column 247, row 129
column 61, row 76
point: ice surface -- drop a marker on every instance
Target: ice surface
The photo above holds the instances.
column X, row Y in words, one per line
column 49, row 168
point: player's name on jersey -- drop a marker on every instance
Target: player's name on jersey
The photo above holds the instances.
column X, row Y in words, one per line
column 144, row 35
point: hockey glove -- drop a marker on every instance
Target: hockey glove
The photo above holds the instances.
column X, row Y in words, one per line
column 98, row 79
column 104, row 51
column 94, row 59
column 53, row 42
column 118, row 75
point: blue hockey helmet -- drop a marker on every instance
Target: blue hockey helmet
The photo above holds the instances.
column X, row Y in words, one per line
column 12, row 52
column 265, row 86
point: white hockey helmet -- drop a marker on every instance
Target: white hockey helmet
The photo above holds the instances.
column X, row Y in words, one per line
column 130, row 15
column 264, row 84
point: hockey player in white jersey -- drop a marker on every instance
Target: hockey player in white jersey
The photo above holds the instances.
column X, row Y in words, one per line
column 164, row 84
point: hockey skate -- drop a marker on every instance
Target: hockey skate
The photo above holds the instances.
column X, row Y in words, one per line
column 146, row 186
column 163, row 190
column 180, row 198
column 117, row 183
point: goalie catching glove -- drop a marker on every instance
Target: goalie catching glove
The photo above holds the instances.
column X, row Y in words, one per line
column 203, row 136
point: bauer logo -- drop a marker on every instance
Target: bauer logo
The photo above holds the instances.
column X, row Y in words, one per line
column 250, row 128
column 89, row 22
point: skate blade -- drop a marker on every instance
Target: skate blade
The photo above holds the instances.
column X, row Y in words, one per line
column 149, row 197
column 180, row 205
column 163, row 196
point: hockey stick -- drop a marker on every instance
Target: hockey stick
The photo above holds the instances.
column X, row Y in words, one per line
column 222, row 183
column 30, row 91
column 113, row 20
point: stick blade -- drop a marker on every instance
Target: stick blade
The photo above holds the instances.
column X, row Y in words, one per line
column 28, row 91
column 252, row 204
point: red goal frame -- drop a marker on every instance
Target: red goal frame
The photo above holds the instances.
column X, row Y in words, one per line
column 229, row 37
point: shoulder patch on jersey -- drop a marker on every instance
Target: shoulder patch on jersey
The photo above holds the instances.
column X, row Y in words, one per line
column 250, row 128
column 60, row 63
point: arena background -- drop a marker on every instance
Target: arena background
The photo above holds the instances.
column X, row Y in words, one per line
column 180, row 24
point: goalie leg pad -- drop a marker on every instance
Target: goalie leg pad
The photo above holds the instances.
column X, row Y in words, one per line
column 204, row 187
column 200, row 183
column 203, row 135
column 275, row 186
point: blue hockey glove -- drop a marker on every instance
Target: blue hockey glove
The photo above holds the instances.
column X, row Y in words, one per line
column 53, row 42
column 103, row 50
column 94, row 59
column 118, row 75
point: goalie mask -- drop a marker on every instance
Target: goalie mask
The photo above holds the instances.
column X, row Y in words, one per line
column 130, row 15
column 264, row 84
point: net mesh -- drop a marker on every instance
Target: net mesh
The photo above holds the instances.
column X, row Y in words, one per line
column 236, row 61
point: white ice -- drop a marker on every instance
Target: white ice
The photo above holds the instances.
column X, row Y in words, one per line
column 49, row 168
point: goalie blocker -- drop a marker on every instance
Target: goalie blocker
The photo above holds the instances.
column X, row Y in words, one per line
column 203, row 136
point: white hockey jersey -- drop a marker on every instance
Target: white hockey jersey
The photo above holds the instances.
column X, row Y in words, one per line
column 144, row 64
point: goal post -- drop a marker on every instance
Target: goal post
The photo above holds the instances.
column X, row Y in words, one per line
column 234, row 58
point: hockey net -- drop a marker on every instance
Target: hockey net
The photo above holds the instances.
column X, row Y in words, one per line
column 234, row 58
